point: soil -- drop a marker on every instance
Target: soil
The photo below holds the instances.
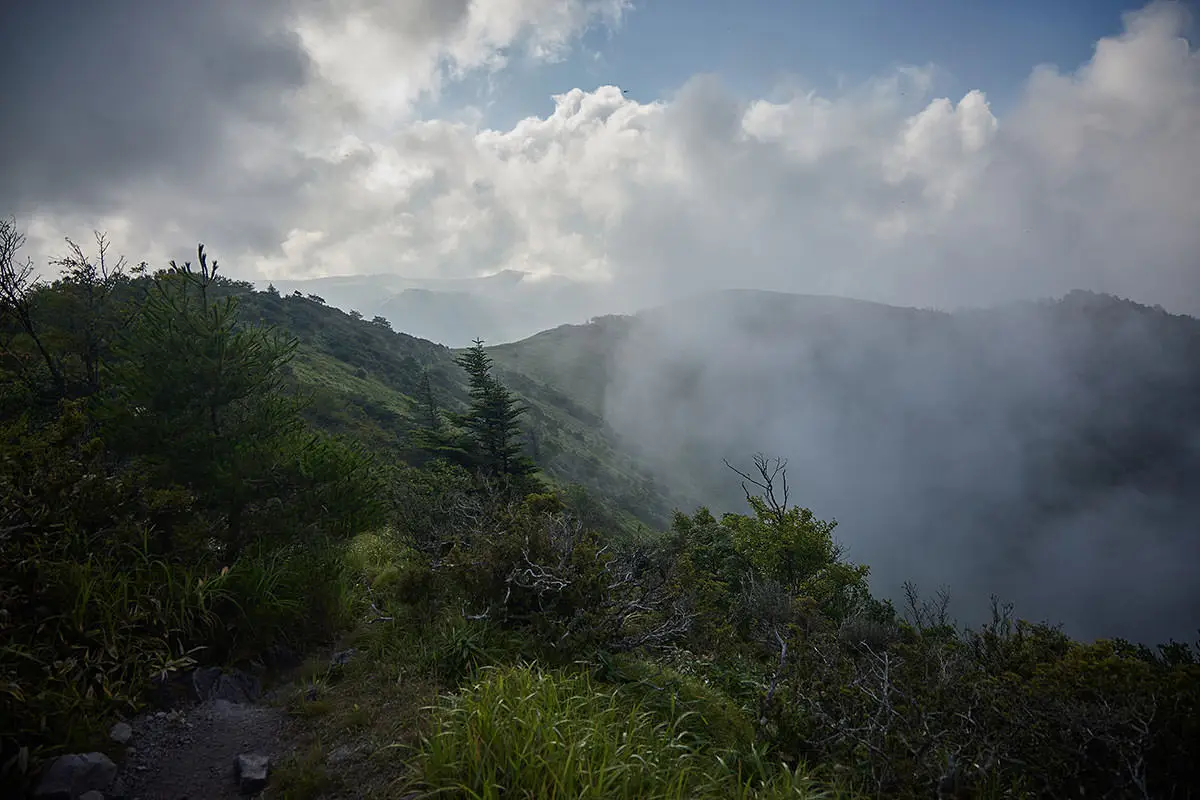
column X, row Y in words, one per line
column 189, row 754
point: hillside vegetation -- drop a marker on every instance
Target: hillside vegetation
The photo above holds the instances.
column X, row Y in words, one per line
column 373, row 384
column 171, row 498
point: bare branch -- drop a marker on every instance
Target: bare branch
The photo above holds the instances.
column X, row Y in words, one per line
column 771, row 482
column 17, row 284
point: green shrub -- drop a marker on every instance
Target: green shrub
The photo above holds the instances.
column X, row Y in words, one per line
column 293, row 596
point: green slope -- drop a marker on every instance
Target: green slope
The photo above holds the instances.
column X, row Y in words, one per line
column 362, row 377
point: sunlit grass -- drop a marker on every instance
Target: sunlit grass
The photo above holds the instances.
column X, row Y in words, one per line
column 521, row 732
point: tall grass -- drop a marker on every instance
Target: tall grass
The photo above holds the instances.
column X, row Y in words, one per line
column 293, row 596
column 111, row 622
column 521, row 732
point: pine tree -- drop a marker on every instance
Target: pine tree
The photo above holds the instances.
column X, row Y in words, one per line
column 435, row 437
column 491, row 421
column 198, row 398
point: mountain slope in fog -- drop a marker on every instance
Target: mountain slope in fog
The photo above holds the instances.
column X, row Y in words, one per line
column 1046, row 452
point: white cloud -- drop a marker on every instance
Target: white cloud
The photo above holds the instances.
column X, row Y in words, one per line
column 382, row 56
column 883, row 191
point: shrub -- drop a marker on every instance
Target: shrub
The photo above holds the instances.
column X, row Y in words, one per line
column 1009, row 707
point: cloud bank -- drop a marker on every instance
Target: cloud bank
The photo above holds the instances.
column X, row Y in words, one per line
column 292, row 139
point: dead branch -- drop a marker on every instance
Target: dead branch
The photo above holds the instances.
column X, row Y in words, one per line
column 772, row 483
column 17, row 286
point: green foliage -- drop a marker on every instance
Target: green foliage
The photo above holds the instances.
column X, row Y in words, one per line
column 1010, row 709
column 90, row 607
column 167, row 497
column 435, row 437
column 491, row 420
column 525, row 733
column 162, row 502
column 197, row 399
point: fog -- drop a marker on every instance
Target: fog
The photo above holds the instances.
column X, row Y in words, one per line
column 1044, row 453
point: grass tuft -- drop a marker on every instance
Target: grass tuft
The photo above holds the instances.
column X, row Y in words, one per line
column 521, row 732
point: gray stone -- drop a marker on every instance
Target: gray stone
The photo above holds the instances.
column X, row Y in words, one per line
column 121, row 733
column 92, row 795
column 343, row 657
column 72, row 775
column 339, row 754
column 251, row 770
column 210, row 683
column 203, row 680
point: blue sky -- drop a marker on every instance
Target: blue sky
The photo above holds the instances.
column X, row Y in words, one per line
column 753, row 44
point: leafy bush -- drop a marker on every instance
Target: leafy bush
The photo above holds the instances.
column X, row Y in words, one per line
column 91, row 607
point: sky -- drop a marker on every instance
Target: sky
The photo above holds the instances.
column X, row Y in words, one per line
column 928, row 153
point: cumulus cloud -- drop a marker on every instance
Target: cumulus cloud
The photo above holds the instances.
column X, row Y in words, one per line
column 1088, row 183
column 884, row 192
column 164, row 121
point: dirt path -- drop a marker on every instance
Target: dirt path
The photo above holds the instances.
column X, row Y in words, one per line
column 189, row 755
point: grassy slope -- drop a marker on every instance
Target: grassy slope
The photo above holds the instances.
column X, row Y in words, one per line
column 363, row 378
column 574, row 358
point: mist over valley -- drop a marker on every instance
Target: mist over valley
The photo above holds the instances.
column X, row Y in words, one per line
column 1046, row 452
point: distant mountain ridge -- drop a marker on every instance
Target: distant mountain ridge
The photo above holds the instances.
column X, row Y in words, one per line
column 504, row 306
column 1045, row 451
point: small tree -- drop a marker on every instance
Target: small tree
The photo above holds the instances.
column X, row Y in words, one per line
column 199, row 399
column 491, row 421
column 92, row 305
column 18, row 288
column 434, row 435
column 790, row 545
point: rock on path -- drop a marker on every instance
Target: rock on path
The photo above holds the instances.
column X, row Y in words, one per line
column 192, row 754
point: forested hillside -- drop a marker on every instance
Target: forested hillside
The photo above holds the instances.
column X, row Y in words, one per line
column 374, row 384
column 194, row 475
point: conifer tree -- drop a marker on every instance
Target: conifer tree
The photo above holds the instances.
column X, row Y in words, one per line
column 491, row 421
column 435, row 436
column 199, row 398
